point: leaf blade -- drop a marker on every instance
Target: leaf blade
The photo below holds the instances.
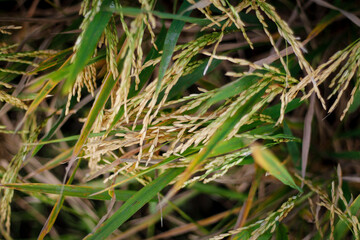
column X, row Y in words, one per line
column 268, row 161
column 88, row 42
column 134, row 204
column 70, row 190
column 170, row 43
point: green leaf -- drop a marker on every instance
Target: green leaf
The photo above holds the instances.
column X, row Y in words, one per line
column 341, row 227
column 281, row 232
column 274, row 111
column 265, row 236
column 355, row 133
column 55, row 78
column 87, row 44
column 345, row 155
column 54, row 62
column 51, row 131
column 227, row 146
column 243, row 235
column 57, row 207
column 170, row 43
column 136, row 11
column 356, row 102
column 292, row 147
column 233, row 89
column 214, row 190
column 186, row 81
column 132, row 205
column 268, row 161
column 70, row 190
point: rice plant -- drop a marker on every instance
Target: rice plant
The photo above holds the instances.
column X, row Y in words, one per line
column 206, row 119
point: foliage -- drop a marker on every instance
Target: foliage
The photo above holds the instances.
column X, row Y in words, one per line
column 186, row 119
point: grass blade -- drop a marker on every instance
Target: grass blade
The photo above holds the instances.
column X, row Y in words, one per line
column 87, row 45
column 51, row 131
column 268, row 161
column 282, row 232
column 233, row 89
column 219, row 191
column 292, row 147
column 179, row 17
column 343, row 155
column 170, row 43
column 55, row 78
column 56, row 209
column 341, row 227
column 186, row 81
column 70, row 190
column 134, row 204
